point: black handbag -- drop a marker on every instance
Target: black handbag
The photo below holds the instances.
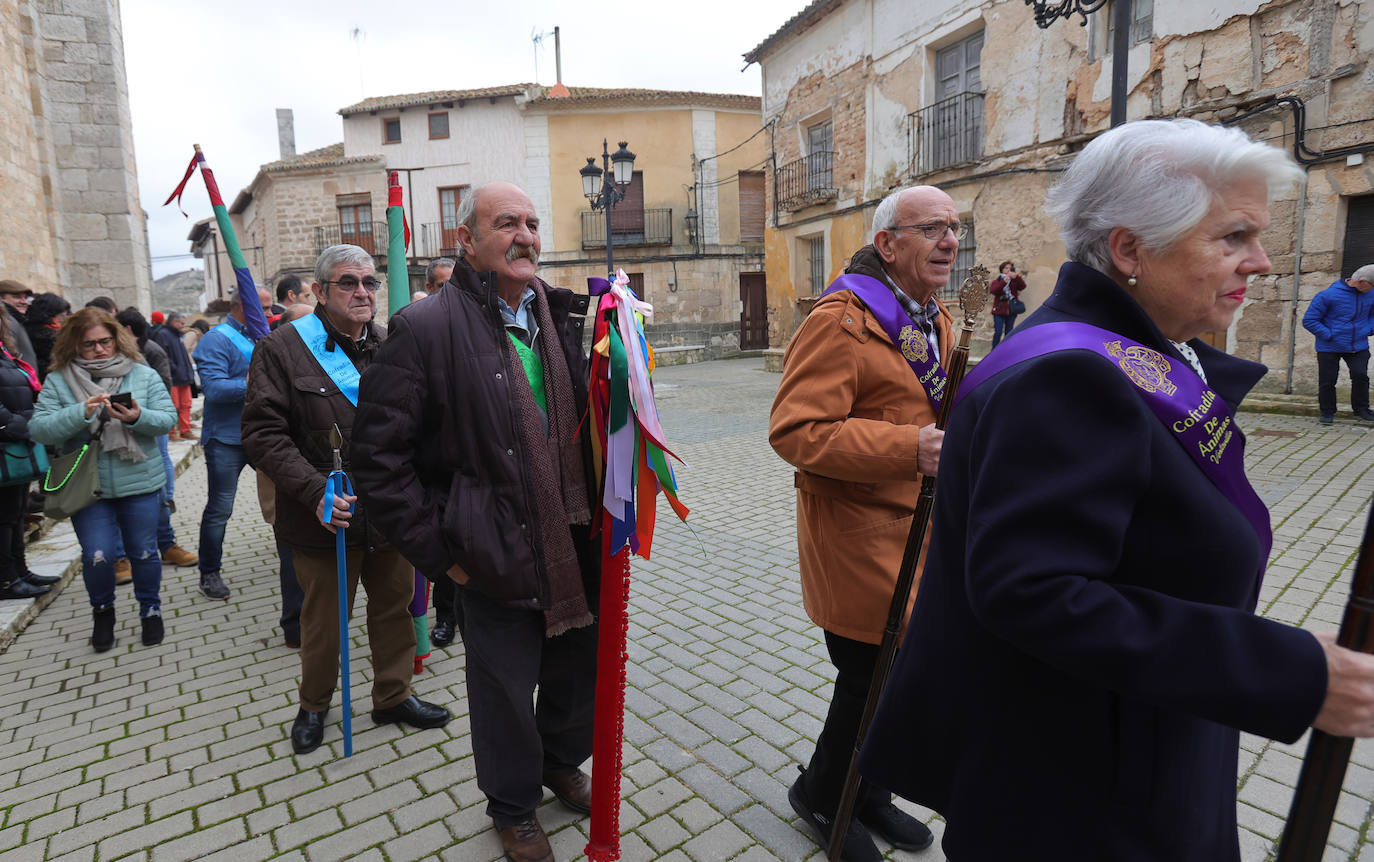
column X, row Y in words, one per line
column 21, row 462
column 1016, row 306
column 73, row 479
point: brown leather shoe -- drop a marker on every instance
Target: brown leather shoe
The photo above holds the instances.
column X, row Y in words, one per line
column 124, row 572
column 526, row 842
column 573, row 789
column 179, row 556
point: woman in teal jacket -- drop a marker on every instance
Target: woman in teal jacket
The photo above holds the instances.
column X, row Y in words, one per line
column 93, row 359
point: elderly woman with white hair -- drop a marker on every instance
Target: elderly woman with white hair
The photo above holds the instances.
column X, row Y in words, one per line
column 1084, row 651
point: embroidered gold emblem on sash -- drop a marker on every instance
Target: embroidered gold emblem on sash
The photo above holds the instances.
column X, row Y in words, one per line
column 1146, row 368
column 914, row 345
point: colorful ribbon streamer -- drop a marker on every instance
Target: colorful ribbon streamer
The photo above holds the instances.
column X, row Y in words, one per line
column 631, row 469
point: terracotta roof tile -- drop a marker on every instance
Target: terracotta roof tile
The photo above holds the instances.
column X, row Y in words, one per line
column 409, row 100
column 585, row 96
column 323, row 157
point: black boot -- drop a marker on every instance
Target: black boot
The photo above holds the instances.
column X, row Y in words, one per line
column 102, row 638
column 21, row 589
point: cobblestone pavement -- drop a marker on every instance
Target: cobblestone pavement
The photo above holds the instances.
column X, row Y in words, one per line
column 180, row 751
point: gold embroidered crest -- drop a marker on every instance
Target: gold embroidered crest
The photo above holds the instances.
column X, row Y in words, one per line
column 914, row 345
column 1146, row 368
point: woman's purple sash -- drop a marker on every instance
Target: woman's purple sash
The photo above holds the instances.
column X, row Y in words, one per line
column 905, row 335
column 1198, row 418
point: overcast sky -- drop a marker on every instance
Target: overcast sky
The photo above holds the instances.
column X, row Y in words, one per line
column 214, row 73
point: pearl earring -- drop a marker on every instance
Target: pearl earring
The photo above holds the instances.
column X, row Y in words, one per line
column 1131, row 281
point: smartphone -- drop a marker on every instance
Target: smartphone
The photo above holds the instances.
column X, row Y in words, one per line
column 123, row 399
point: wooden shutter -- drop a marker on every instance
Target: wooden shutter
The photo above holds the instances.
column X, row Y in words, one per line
column 751, row 209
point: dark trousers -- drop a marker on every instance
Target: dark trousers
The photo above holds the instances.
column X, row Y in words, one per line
column 1329, row 366
column 13, row 501
column 292, row 596
column 445, row 596
column 516, row 737
column 223, row 463
column 1002, row 325
column 390, row 583
column 824, row 780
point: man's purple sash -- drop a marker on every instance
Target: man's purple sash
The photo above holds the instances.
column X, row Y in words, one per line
column 905, row 335
column 1198, row 418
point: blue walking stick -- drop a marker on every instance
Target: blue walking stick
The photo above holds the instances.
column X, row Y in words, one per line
column 337, row 484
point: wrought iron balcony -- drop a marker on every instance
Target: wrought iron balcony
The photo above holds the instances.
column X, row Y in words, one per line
column 946, row 133
column 628, row 227
column 435, row 240
column 371, row 237
column 808, row 180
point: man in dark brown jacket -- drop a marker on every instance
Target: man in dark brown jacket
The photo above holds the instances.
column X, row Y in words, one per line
column 302, row 385
column 473, row 471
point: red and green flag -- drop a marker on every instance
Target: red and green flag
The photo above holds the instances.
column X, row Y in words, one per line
column 255, row 321
column 398, row 240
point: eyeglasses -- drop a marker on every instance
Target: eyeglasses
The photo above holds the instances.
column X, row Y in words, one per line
column 350, row 284
column 935, row 230
column 103, row 343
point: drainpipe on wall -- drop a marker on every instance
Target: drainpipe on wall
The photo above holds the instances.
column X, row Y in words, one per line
column 1297, row 280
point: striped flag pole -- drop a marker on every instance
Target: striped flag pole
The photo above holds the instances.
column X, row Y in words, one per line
column 254, row 319
column 398, row 240
column 398, row 297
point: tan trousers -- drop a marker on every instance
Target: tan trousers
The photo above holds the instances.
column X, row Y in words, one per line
column 389, row 582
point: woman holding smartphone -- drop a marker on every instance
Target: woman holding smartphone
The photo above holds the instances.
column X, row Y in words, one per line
column 97, row 386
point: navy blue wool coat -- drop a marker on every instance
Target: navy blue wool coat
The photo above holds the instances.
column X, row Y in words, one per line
column 1083, row 650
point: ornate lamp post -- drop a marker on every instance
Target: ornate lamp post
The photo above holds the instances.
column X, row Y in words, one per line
column 612, row 182
column 1048, row 11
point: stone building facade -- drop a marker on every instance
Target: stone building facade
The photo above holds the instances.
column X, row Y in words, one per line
column 690, row 234
column 974, row 98
column 278, row 217
column 72, row 222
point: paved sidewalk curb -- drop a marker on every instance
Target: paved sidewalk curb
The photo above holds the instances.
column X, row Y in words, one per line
column 55, row 552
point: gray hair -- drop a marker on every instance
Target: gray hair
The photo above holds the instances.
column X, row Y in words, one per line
column 435, row 265
column 336, row 255
column 885, row 216
column 467, row 215
column 1364, row 273
column 1157, row 179
column 174, row 316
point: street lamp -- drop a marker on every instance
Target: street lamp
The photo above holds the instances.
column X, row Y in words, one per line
column 1047, row 11
column 612, row 182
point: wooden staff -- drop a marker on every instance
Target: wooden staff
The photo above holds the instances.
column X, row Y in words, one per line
column 1323, row 770
column 973, row 293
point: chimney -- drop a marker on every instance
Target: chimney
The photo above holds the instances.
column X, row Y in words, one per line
column 558, row 90
column 286, row 132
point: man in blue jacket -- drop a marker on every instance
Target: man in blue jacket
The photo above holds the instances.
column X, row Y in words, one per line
column 1342, row 318
column 222, row 358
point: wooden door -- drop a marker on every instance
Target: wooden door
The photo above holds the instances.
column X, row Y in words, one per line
column 627, row 217
column 753, row 318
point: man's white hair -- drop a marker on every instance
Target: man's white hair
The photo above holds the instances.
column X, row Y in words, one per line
column 1364, row 273
column 1157, row 179
column 885, row 216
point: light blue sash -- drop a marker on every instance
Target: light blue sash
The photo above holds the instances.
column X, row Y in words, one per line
column 335, row 363
column 238, row 339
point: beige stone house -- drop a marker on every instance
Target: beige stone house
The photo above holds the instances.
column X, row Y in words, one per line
column 864, row 96
column 689, row 233
column 71, row 222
